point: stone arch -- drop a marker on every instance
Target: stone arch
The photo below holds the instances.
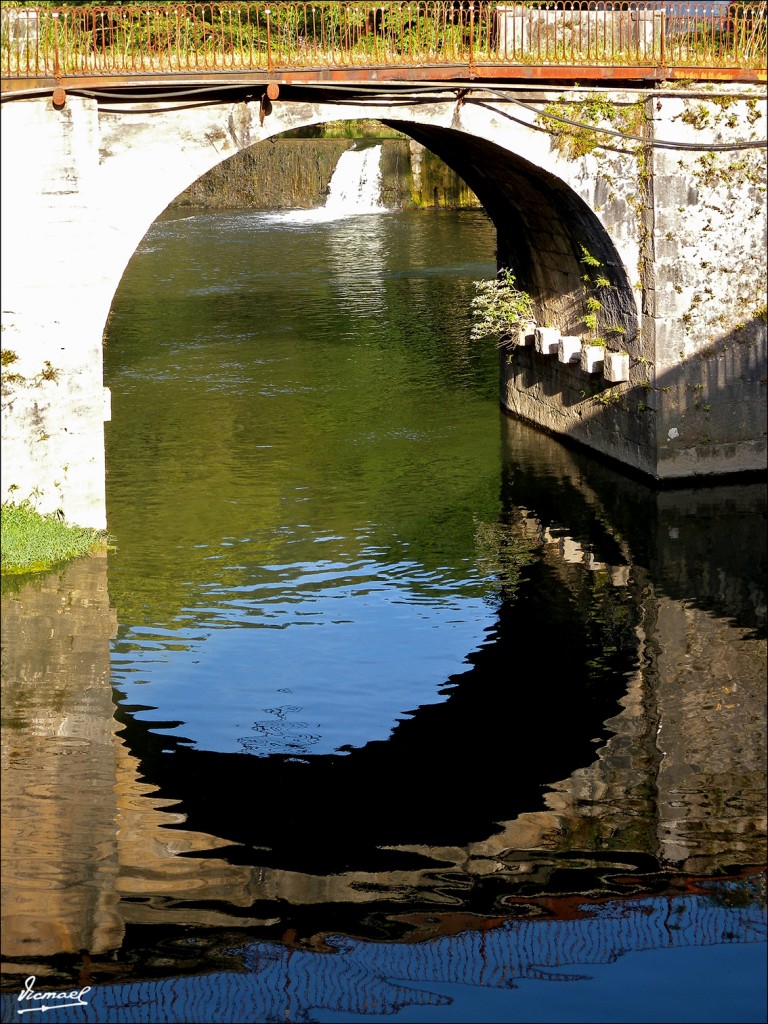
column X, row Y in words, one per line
column 83, row 183
column 542, row 206
column 541, row 224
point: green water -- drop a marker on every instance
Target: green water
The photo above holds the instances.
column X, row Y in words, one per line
column 302, row 436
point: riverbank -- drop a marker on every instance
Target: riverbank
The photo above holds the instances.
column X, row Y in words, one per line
column 31, row 542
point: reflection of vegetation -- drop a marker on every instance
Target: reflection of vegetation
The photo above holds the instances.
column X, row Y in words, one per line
column 739, row 892
column 503, row 552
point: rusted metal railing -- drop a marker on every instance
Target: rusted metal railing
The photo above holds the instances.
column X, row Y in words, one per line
column 504, row 39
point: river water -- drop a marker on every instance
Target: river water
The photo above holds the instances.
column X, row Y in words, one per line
column 384, row 705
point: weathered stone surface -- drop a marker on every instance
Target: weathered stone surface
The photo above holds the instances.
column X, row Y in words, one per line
column 592, row 358
column 547, row 339
column 569, row 349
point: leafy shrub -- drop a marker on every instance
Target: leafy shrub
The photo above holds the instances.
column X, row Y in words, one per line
column 499, row 308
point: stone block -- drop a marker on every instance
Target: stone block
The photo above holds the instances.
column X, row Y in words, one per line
column 526, row 335
column 592, row 358
column 616, row 366
column 569, row 349
column 547, row 340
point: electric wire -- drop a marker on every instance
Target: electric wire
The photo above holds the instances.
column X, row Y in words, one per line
column 709, row 147
column 417, row 93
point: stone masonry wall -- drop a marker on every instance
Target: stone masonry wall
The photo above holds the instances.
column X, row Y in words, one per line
column 706, row 304
column 694, row 402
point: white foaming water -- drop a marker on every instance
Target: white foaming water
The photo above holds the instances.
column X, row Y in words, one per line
column 356, row 183
column 355, row 188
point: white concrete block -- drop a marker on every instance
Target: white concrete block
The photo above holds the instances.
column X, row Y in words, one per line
column 547, row 340
column 592, row 358
column 569, row 349
column 107, row 405
column 526, row 334
column 616, row 366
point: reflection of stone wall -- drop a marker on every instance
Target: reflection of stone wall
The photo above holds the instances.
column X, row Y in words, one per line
column 712, row 740
column 152, row 870
column 683, row 778
column 604, row 808
column 86, row 842
column 58, row 837
column 80, row 829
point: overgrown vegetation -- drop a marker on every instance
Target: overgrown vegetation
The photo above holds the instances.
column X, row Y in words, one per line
column 499, row 308
column 31, row 542
column 594, row 280
column 579, row 138
column 167, row 36
column 139, row 35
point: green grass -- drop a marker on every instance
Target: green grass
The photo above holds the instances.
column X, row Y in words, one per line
column 30, row 542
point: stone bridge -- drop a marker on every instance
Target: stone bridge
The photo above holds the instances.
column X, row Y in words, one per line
column 634, row 215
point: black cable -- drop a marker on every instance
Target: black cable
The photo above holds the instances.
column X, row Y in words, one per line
column 657, row 143
column 374, row 92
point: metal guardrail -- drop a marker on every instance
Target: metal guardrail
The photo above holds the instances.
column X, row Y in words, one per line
column 504, row 39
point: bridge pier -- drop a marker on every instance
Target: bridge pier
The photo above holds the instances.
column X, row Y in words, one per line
column 56, row 293
column 695, row 402
column 645, row 245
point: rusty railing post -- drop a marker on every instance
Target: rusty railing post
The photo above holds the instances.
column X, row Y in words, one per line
column 269, row 40
column 471, row 37
column 56, row 63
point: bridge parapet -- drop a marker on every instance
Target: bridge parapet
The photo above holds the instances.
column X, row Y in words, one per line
column 417, row 39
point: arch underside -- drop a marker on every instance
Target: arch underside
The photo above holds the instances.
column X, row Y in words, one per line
column 542, row 226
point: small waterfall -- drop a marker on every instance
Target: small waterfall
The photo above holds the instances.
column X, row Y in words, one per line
column 355, row 186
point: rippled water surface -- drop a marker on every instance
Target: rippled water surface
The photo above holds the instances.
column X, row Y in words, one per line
column 315, row 458
column 384, row 705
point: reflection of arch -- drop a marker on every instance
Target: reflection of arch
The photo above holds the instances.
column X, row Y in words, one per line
column 524, row 714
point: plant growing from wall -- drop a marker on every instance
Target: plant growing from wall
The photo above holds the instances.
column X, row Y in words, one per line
column 594, row 281
column 11, row 379
column 572, row 125
column 500, row 308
